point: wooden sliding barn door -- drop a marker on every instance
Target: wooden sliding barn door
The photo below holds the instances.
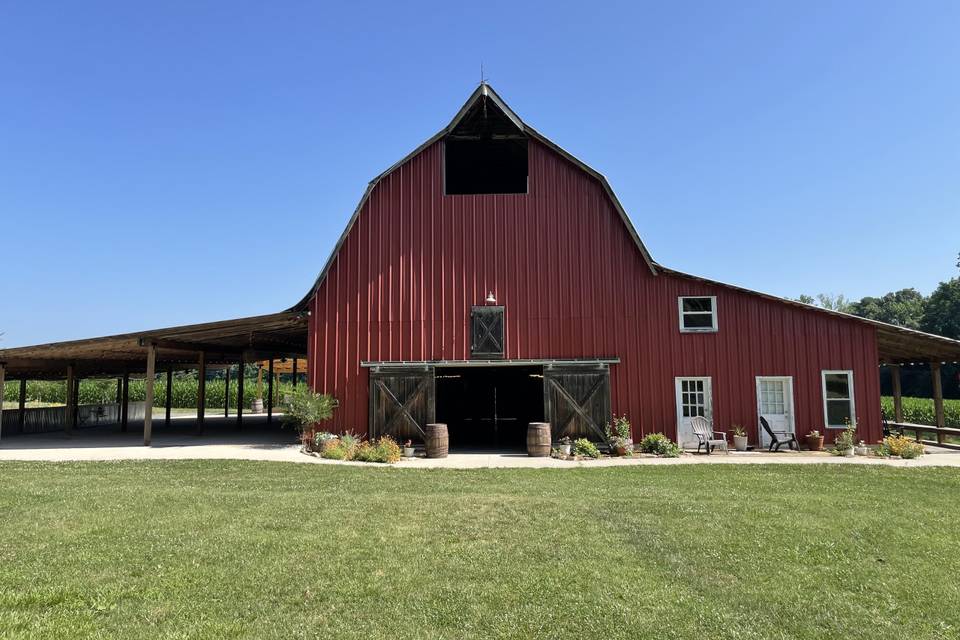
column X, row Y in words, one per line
column 402, row 403
column 577, row 400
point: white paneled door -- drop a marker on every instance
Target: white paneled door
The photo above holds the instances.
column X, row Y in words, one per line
column 775, row 403
column 694, row 398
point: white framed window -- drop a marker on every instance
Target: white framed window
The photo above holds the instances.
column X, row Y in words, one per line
column 838, row 404
column 697, row 313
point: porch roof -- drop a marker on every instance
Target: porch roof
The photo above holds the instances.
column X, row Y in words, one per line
column 224, row 342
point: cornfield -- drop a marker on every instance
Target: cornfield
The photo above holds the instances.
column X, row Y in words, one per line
column 183, row 396
column 920, row 411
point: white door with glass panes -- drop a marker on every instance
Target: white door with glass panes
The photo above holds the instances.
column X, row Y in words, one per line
column 775, row 403
column 694, row 398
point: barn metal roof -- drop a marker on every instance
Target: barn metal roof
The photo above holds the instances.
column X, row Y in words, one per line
column 482, row 92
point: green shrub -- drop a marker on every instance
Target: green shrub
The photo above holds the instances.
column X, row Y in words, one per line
column 899, row 446
column 384, row 450
column 304, row 408
column 336, row 450
column 659, row 444
column 585, row 448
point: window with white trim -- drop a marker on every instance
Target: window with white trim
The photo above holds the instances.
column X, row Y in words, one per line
column 838, row 405
column 697, row 313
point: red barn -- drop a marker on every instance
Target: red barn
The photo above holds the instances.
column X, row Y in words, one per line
column 490, row 279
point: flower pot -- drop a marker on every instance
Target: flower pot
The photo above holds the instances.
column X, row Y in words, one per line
column 862, row 450
column 815, row 443
column 565, row 449
column 848, row 453
column 256, row 406
column 408, row 452
column 623, row 447
column 740, row 443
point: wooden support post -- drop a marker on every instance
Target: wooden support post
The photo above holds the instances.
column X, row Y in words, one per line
column 3, row 376
column 168, row 401
column 119, row 395
column 148, row 394
column 125, row 401
column 76, row 402
column 897, row 393
column 270, row 391
column 201, row 391
column 240, row 370
column 21, row 419
column 226, row 393
column 937, row 398
column 295, row 373
column 68, row 415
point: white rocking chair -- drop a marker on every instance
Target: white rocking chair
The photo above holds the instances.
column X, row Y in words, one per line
column 707, row 437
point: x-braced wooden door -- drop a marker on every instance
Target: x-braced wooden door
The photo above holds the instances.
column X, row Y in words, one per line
column 577, row 400
column 402, row 402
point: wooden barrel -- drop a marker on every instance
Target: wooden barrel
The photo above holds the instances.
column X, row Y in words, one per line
column 538, row 439
column 437, row 440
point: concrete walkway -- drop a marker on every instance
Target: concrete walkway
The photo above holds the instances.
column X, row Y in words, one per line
column 258, row 441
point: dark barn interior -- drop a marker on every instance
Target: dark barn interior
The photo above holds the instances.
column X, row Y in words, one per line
column 489, row 407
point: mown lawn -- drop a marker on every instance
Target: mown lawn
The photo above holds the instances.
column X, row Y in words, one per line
column 265, row 550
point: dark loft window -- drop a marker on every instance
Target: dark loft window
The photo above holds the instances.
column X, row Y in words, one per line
column 486, row 333
column 485, row 165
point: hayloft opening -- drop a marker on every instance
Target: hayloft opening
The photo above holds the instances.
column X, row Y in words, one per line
column 486, row 166
column 486, row 152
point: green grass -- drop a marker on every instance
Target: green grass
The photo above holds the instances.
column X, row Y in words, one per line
column 264, row 550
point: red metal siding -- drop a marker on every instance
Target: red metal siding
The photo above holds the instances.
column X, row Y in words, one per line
column 574, row 285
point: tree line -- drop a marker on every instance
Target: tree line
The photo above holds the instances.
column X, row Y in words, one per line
column 938, row 313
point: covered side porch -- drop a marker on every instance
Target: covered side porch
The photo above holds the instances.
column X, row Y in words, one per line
column 277, row 341
column 898, row 348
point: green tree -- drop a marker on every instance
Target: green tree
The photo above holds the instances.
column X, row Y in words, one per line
column 837, row 302
column 827, row 301
column 904, row 308
column 942, row 313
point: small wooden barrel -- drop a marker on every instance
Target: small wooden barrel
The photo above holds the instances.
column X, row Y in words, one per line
column 538, row 439
column 437, row 440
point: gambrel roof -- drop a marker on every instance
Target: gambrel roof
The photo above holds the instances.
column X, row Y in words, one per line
column 482, row 95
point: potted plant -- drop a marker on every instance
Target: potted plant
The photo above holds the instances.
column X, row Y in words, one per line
column 739, row 437
column 815, row 440
column 862, row 449
column 566, row 444
column 619, row 436
column 843, row 443
column 306, row 409
column 408, row 449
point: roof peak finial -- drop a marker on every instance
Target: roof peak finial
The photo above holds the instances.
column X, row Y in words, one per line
column 483, row 78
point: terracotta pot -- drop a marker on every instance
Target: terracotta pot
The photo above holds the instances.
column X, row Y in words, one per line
column 814, row 443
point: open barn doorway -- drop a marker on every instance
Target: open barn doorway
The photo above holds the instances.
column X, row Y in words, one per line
column 489, row 407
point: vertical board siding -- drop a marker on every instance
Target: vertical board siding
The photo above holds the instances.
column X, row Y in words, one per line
column 574, row 286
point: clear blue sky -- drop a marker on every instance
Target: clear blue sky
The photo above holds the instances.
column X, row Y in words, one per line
column 175, row 162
